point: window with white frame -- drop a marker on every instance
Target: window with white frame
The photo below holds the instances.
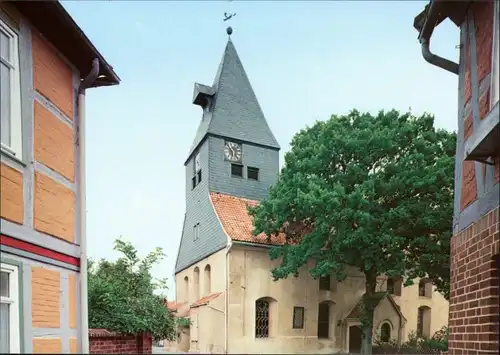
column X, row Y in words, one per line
column 196, row 232
column 495, row 77
column 9, row 309
column 10, row 92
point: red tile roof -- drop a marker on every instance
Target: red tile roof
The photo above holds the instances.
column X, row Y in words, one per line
column 181, row 313
column 172, row 306
column 233, row 214
column 205, row 300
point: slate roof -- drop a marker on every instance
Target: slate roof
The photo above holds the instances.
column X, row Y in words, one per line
column 237, row 223
column 205, row 300
column 235, row 112
column 376, row 298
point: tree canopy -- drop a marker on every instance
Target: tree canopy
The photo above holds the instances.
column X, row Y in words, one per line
column 374, row 192
column 121, row 295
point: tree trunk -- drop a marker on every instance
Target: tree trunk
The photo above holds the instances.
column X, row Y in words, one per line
column 368, row 311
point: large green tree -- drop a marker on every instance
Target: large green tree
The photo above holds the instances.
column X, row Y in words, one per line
column 364, row 191
column 122, row 297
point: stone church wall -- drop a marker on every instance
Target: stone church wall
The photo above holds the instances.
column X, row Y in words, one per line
column 249, row 280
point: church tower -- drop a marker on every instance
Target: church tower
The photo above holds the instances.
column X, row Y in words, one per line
column 234, row 153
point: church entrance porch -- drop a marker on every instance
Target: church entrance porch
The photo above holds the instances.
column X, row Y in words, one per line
column 355, row 339
column 388, row 322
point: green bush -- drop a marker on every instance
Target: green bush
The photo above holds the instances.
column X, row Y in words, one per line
column 416, row 344
column 121, row 295
column 183, row 322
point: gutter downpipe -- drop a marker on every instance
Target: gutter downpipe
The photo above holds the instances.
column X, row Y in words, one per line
column 226, row 298
column 85, row 84
column 430, row 57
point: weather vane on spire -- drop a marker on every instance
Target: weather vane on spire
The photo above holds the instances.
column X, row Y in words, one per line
column 227, row 17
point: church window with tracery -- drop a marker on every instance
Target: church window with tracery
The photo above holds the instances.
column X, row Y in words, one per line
column 262, row 318
column 298, row 317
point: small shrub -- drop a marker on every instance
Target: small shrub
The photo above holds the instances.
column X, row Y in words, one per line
column 416, row 344
column 123, row 295
column 183, row 322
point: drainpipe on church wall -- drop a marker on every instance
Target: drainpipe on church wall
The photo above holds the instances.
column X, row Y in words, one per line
column 226, row 298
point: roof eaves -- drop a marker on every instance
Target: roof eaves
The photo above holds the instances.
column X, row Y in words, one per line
column 180, row 241
column 435, row 12
column 57, row 25
column 113, row 78
column 205, row 300
column 396, row 307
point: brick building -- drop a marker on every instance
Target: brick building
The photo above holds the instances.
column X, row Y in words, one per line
column 44, row 57
column 474, row 303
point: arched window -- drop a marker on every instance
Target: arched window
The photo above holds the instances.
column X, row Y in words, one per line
column 207, row 280
column 196, row 291
column 385, row 332
column 263, row 317
column 186, row 289
column 424, row 321
column 324, row 319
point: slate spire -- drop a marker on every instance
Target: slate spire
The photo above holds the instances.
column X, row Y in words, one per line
column 230, row 106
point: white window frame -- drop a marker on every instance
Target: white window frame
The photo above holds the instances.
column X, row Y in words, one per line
column 16, row 142
column 196, row 232
column 13, row 301
column 495, row 72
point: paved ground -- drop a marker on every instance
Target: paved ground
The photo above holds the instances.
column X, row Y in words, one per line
column 158, row 350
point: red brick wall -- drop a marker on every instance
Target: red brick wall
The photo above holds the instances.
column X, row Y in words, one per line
column 54, row 143
column 105, row 342
column 469, row 184
column 483, row 21
column 482, row 13
column 52, row 77
column 474, row 293
column 11, row 194
column 474, row 301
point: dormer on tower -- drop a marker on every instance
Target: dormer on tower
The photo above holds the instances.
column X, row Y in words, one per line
column 236, row 149
column 230, row 107
column 234, row 153
column 203, row 96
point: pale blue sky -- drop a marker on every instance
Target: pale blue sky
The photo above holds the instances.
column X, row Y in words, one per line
column 306, row 60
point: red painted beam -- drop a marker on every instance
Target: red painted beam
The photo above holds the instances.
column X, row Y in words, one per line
column 35, row 249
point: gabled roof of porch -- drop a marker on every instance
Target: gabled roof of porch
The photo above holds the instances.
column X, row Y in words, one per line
column 206, row 300
column 376, row 298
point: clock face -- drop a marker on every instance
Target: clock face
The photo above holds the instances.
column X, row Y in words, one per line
column 232, row 151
